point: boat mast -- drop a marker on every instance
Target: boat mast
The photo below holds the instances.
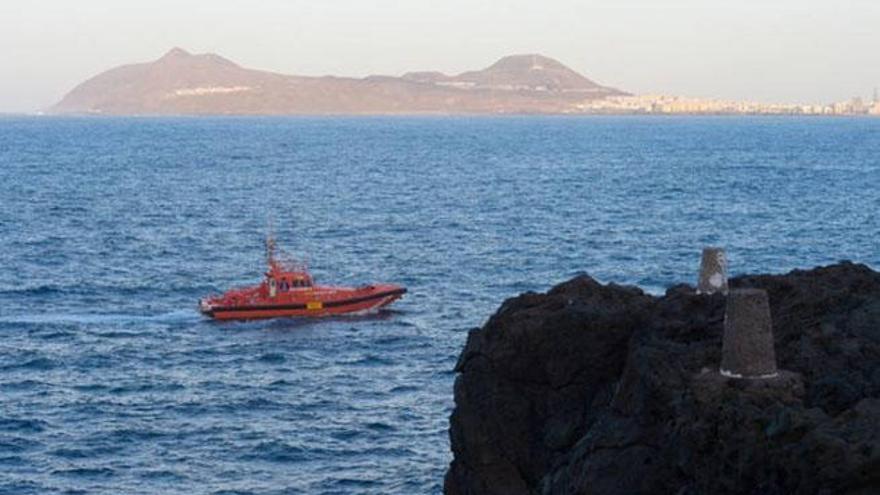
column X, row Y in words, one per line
column 270, row 243
column 270, row 249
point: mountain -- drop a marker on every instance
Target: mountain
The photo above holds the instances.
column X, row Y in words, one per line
column 183, row 83
column 517, row 73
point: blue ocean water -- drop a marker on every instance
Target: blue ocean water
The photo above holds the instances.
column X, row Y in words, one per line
column 111, row 229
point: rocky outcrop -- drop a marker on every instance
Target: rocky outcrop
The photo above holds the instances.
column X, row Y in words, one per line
column 603, row 389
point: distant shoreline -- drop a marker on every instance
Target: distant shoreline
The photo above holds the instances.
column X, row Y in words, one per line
column 86, row 115
column 181, row 83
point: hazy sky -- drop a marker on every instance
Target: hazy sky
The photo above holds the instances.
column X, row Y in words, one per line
column 766, row 50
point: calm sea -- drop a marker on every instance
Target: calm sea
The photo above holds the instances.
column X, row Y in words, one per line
column 111, row 229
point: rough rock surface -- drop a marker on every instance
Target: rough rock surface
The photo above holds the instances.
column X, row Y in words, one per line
column 602, row 389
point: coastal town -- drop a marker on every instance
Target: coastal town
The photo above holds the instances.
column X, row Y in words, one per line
column 668, row 104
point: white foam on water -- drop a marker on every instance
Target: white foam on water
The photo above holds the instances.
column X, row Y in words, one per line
column 96, row 318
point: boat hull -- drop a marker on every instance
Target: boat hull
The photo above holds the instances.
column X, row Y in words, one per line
column 316, row 308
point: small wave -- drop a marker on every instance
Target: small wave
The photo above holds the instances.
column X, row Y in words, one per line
column 66, row 453
column 11, row 461
column 20, row 386
column 23, row 425
column 23, row 487
column 278, row 452
column 272, row 358
column 146, row 388
column 125, row 435
column 371, row 360
column 85, row 472
column 351, row 483
column 86, row 452
column 57, row 335
column 38, row 364
column 259, row 403
column 346, row 435
column 402, row 389
column 95, row 362
column 91, row 387
column 381, row 427
column 282, row 384
column 118, row 334
column 163, row 474
column 37, row 290
column 251, row 405
column 16, row 445
column 318, row 405
column 391, row 340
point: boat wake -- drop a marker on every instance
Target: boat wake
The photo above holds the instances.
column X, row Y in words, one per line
column 179, row 316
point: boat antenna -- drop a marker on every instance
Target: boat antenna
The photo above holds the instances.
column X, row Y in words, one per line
column 270, row 244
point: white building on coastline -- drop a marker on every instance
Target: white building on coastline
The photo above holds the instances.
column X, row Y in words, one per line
column 672, row 105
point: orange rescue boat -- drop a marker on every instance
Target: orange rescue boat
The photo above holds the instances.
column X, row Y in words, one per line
column 289, row 290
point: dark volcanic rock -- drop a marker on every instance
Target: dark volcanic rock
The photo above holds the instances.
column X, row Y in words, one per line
column 602, row 389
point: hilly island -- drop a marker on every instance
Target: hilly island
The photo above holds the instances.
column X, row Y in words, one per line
column 181, row 83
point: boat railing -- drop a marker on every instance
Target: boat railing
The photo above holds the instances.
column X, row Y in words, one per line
column 286, row 262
